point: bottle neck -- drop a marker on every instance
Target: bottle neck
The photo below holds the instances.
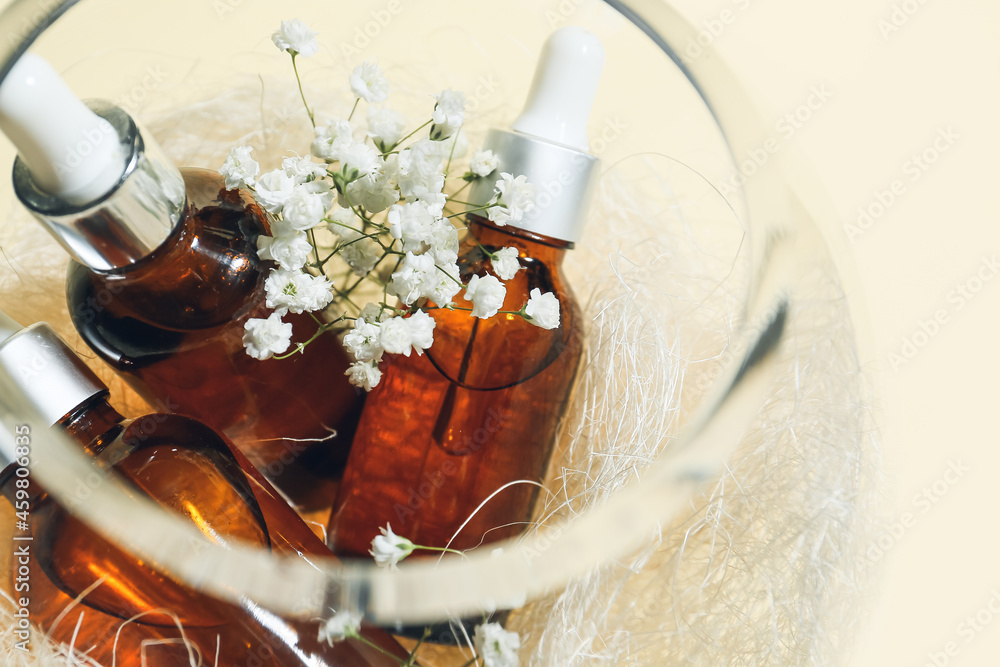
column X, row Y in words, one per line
column 130, row 221
column 89, row 423
column 545, row 249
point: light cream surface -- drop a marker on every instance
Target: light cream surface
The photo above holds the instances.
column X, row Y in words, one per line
column 893, row 91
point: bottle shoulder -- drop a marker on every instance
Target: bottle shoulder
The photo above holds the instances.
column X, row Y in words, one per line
column 207, row 272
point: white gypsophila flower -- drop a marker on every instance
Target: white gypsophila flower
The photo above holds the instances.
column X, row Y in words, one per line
column 290, row 251
column 264, row 338
column 395, row 336
column 273, row 188
column 417, row 170
column 542, row 309
column 239, row 169
column 484, row 163
column 486, row 294
column 448, row 115
column 307, row 205
column 360, row 158
column 295, row 37
column 445, row 284
column 364, row 374
column 389, row 548
column 414, row 278
column 374, row 192
column 435, row 202
column 302, row 169
column 363, row 341
column 505, row 263
column 385, row 126
column 341, row 625
column 360, row 252
column 517, row 197
column 330, row 140
column 496, row 646
column 421, row 329
column 368, row 82
column 411, row 223
column 373, row 313
column 297, row 292
column 443, row 242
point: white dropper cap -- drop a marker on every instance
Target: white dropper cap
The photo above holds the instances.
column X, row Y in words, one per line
column 71, row 152
column 563, row 90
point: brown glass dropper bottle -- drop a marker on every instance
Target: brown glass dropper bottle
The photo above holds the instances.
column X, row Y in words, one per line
column 184, row 466
column 452, row 445
column 165, row 275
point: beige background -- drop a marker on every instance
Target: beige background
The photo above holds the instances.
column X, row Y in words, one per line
column 894, row 89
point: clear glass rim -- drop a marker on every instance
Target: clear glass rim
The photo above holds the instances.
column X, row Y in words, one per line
column 783, row 229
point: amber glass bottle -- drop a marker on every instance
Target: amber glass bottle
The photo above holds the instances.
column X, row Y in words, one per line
column 125, row 608
column 166, row 275
column 172, row 324
column 444, row 432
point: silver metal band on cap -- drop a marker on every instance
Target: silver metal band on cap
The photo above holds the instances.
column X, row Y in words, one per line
column 133, row 219
column 563, row 178
column 48, row 373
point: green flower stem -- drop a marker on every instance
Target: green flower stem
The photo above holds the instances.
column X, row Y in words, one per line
column 453, row 278
column 319, row 332
column 400, row 142
column 298, row 79
column 447, row 167
column 353, row 109
column 413, row 654
column 441, row 549
column 472, row 210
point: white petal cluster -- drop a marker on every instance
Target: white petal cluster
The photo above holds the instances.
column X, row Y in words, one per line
column 385, row 126
column 374, row 192
column 483, row 163
column 542, row 310
column 264, row 338
column 364, row 374
column 297, row 292
column 418, row 277
column 368, row 83
column 388, row 548
column 239, row 169
column 417, row 170
column 497, row 647
column 295, row 37
column 330, row 140
column 341, row 625
column 290, row 251
column 273, row 190
column 307, row 205
column 506, row 264
column 486, row 294
column 448, row 115
column 303, row 169
column 517, row 197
